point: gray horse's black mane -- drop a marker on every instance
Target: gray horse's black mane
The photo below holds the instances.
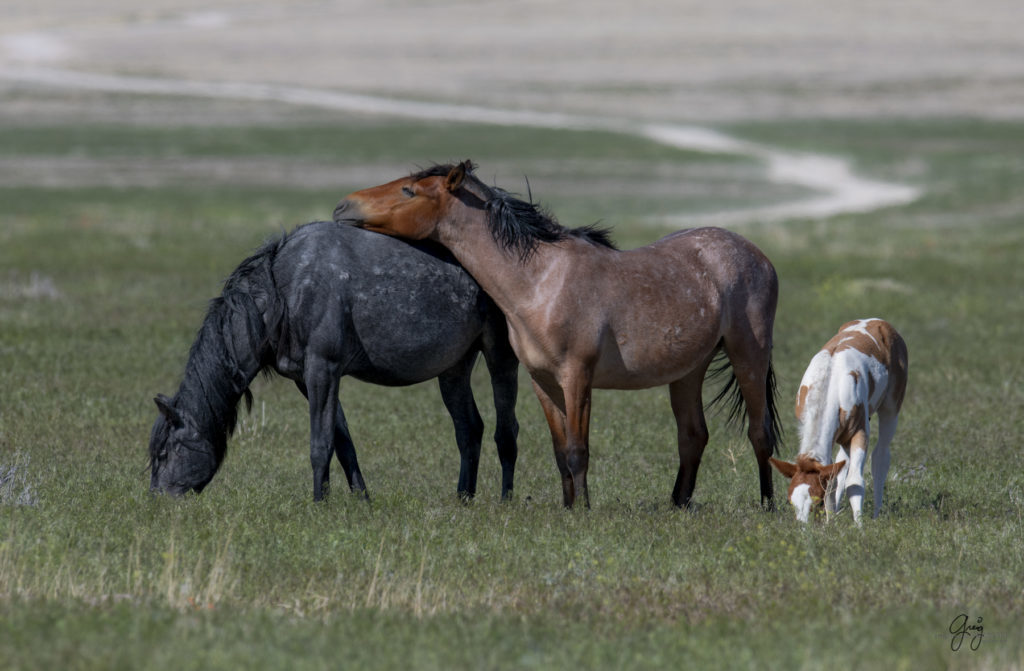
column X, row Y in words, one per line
column 520, row 225
column 230, row 342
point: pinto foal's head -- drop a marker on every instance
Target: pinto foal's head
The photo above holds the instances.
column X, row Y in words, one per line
column 808, row 482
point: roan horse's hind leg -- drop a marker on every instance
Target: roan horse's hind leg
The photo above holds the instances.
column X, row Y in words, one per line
column 754, row 386
column 457, row 394
column 749, row 348
column 691, row 433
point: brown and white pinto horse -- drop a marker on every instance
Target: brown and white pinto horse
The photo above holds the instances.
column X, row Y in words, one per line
column 861, row 371
column 582, row 314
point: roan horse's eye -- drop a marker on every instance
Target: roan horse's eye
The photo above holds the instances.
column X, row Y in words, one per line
column 408, row 192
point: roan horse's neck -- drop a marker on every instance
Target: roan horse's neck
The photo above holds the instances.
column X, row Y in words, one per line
column 511, row 281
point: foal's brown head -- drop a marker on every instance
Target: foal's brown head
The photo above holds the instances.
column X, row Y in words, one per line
column 410, row 207
column 808, row 482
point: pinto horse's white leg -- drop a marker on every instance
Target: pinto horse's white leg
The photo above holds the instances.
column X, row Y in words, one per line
column 835, row 494
column 855, row 472
column 880, row 456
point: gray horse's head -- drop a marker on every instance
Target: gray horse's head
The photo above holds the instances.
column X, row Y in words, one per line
column 181, row 458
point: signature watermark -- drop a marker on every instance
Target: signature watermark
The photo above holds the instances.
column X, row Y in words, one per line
column 963, row 629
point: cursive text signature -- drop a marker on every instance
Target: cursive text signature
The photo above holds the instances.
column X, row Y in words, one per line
column 961, row 629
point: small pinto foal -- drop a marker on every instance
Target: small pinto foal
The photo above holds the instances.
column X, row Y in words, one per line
column 861, row 371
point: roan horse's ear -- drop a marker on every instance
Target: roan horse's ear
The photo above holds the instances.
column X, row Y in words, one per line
column 163, row 404
column 456, row 176
column 784, row 467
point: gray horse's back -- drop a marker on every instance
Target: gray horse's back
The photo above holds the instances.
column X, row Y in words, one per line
column 385, row 311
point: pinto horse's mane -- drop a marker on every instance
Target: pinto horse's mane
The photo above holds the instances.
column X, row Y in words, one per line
column 520, row 225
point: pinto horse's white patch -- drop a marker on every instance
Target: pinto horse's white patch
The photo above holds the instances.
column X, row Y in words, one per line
column 801, row 500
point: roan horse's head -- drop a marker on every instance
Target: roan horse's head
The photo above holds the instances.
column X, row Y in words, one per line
column 180, row 458
column 410, row 207
column 808, row 482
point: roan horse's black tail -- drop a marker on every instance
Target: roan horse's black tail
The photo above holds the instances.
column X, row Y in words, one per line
column 735, row 403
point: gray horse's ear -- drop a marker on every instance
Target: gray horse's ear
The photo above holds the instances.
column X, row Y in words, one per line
column 456, row 176
column 163, row 404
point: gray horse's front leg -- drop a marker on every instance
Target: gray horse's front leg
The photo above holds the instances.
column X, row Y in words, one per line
column 503, row 366
column 457, row 394
column 322, row 392
column 344, row 449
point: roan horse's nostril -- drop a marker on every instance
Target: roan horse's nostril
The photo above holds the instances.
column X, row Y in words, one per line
column 339, row 211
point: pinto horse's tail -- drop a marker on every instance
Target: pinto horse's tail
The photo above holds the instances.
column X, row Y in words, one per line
column 731, row 395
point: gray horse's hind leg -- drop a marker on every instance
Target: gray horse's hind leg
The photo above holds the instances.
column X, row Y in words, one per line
column 345, row 450
column 457, row 394
column 503, row 366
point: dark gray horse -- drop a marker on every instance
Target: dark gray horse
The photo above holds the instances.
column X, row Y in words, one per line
column 325, row 301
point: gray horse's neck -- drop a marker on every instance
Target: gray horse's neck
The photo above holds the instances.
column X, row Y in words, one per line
column 222, row 363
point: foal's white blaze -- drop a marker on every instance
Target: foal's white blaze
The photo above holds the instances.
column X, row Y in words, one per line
column 860, row 372
column 800, row 497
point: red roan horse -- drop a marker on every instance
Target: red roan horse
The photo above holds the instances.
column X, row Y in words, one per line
column 582, row 314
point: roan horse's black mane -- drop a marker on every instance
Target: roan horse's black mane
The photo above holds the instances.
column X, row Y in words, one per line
column 520, row 225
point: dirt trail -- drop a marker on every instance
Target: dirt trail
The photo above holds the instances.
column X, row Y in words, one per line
column 657, row 70
column 841, row 190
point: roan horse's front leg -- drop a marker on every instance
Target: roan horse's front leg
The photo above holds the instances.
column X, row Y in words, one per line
column 556, row 424
column 691, row 433
column 569, row 422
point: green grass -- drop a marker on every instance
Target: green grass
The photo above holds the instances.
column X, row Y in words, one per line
column 96, row 573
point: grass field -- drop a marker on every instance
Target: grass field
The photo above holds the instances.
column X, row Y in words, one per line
column 104, row 281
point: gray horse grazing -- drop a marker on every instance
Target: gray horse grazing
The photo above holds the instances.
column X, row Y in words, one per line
column 321, row 302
